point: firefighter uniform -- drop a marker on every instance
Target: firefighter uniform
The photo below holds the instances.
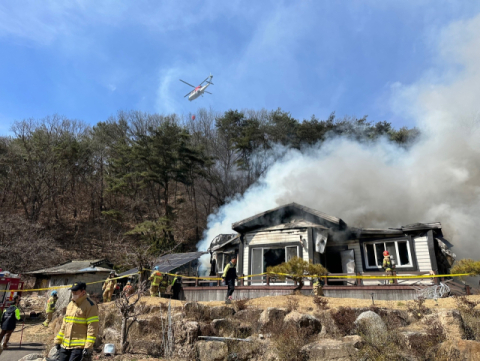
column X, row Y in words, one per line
column 9, row 320
column 387, row 264
column 156, row 278
column 50, row 309
column 79, row 328
column 109, row 288
column 317, row 288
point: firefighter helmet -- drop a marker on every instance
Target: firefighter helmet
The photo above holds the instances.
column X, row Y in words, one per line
column 386, row 253
column 54, row 293
column 155, row 268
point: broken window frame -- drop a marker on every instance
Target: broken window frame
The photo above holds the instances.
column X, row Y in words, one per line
column 396, row 257
column 262, row 280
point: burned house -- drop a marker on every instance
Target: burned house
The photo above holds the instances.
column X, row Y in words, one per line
column 275, row 236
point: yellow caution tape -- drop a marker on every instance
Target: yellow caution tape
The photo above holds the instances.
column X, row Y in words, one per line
column 380, row 277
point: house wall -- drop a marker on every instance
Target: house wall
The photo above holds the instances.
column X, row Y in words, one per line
column 271, row 238
column 68, row 279
column 423, row 255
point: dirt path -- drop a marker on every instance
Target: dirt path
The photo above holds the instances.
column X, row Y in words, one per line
column 34, row 340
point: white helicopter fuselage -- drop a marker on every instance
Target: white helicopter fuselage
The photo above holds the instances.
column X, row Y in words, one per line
column 197, row 92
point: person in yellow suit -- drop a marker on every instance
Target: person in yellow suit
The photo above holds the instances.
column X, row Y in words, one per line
column 109, row 287
column 156, row 278
column 52, row 301
column 77, row 336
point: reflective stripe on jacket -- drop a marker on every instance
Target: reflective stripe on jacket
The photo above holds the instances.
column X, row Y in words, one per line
column 51, row 304
column 80, row 324
column 156, row 277
column 387, row 263
column 109, row 284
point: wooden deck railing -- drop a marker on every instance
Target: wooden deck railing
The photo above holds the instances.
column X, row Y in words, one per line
column 267, row 280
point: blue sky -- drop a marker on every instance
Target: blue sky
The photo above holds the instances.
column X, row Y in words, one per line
column 88, row 59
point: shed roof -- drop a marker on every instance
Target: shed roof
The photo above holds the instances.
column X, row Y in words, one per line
column 73, row 267
column 282, row 214
column 171, row 261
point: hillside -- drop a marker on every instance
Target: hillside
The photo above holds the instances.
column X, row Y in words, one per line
column 292, row 328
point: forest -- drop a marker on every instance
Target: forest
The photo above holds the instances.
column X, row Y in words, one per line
column 142, row 184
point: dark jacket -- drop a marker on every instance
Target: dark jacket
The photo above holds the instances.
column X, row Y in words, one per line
column 230, row 272
column 10, row 317
column 213, row 267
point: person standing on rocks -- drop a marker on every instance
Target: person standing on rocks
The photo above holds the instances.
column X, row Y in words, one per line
column 229, row 276
column 156, row 278
column 10, row 317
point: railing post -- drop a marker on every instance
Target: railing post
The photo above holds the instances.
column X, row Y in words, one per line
column 395, row 280
column 219, row 280
column 359, row 280
column 467, row 289
column 268, row 280
column 241, row 283
column 326, row 280
column 196, row 282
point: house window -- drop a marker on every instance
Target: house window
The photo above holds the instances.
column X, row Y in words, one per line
column 399, row 252
column 264, row 257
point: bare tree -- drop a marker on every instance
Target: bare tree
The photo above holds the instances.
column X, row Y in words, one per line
column 126, row 305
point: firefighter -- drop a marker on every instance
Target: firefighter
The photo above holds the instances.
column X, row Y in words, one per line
column 10, row 317
column 51, row 307
column 317, row 288
column 388, row 264
column 176, row 286
column 229, row 276
column 109, row 287
column 79, row 329
column 128, row 289
column 156, row 278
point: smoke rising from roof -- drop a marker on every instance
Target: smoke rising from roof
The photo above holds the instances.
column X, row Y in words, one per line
column 381, row 184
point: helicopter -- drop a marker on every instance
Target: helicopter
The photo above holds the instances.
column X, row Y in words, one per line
column 198, row 90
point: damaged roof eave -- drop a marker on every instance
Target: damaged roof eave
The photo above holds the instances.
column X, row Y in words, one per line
column 276, row 215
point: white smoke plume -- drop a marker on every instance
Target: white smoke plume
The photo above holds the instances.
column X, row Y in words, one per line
column 381, row 185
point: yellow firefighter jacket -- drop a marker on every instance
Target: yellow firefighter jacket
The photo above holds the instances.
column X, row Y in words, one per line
column 80, row 324
column 51, row 304
column 109, row 284
column 156, row 277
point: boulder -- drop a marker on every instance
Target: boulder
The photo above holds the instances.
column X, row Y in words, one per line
column 192, row 306
column 196, row 310
column 458, row 350
column 221, row 312
column 249, row 315
column 211, row 351
column 330, row 349
column 371, row 325
column 224, row 327
column 329, row 327
column 415, row 338
column 450, row 320
column 186, row 332
column 272, row 317
column 303, row 321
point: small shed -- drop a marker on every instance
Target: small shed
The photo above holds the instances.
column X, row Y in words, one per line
column 74, row 271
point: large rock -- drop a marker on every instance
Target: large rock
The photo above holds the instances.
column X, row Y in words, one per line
column 458, row 350
column 225, row 328
column 272, row 317
column 196, row 310
column 186, row 332
column 249, row 315
column 329, row 327
column 303, row 321
column 330, row 349
column 221, row 312
column 414, row 338
column 211, row 351
column 450, row 320
column 371, row 325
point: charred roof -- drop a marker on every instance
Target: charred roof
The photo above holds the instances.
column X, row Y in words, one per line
column 285, row 214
